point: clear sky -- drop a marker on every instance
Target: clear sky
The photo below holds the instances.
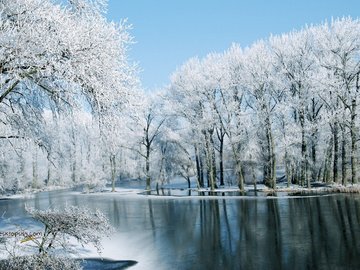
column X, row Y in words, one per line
column 168, row 32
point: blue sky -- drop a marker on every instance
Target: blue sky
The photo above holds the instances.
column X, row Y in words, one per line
column 168, row 32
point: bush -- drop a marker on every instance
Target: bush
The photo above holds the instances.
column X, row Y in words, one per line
column 51, row 251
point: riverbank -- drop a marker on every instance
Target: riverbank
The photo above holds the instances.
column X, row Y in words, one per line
column 282, row 190
column 316, row 188
column 319, row 187
column 30, row 192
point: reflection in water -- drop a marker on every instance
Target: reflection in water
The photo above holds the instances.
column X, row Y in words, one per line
column 289, row 233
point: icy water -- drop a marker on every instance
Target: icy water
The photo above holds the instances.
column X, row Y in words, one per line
column 320, row 232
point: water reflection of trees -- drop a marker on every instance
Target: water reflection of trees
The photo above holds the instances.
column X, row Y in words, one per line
column 303, row 233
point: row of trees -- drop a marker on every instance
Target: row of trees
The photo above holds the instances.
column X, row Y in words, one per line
column 289, row 103
column 72, row 111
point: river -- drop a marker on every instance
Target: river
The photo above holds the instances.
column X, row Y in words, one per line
column 321, row 232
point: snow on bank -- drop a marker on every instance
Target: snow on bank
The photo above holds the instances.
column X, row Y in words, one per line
column 232, row 192
column 30, row 192
column 324, row 188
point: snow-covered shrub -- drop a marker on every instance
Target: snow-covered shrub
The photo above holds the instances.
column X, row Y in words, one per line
column 86, row 226
column 52, row 249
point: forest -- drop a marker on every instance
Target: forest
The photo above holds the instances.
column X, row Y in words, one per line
column 73, row 111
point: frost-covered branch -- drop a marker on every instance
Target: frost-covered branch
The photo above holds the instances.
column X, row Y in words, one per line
column 85, row 226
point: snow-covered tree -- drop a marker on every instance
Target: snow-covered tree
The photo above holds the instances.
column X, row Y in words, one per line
column 146, row 127
column 298, row 68
column 56, row 60
column 263, row 94
column 193, row 89
column 231, row 107
column 52, row 249
column 338, row 51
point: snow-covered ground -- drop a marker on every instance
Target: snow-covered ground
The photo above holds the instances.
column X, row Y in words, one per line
column 29, row 193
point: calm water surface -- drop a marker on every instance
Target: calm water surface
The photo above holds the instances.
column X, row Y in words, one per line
column 226, row 233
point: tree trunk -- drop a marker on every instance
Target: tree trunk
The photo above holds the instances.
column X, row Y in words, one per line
column 336, row 153
column 221, row 166
column 314, row 138
column 303, row 169
column 162, row 176
column 221, row 161
column 188, row 181
column 73, row 169
column 353, row 142
column 147, row 168
column 73, row 154
column 343, row 157
column 35, row 169
column 271, row 157
column 268, row 150
column 47, row 181
column 253, row 173
column 288, row 169
column 197, row 161
column 238, row 169
column 240, row 175
column 213, row 162
column 221, row 136
column 327, row 165
column 113, row 171
column 201, row 164
column 313, row 156
column 209, row 159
